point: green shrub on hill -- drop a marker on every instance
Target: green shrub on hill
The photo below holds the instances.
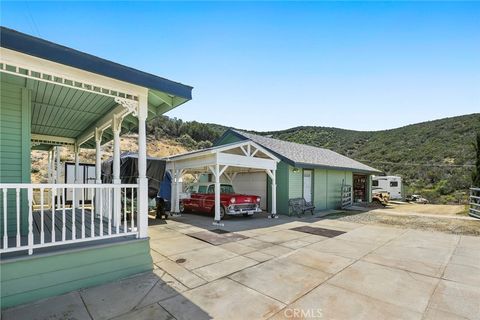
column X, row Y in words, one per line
column 434, row 158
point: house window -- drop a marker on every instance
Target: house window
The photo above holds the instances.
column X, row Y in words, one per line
column 374, row 183
column 393, row 183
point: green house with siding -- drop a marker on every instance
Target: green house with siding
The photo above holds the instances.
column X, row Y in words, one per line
column 316, row 174
column 54, row 97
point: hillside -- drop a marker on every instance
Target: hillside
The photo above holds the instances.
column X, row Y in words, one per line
column 434, row 158
column 155, row 148
column 430, row 156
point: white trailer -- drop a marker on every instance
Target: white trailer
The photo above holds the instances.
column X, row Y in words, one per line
column 391, row 184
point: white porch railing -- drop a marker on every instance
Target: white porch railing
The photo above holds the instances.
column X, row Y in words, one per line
column 37, row 215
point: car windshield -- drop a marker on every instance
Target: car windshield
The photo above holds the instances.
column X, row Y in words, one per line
column 224, row 189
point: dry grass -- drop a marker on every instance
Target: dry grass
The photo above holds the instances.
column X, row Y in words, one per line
column 448, row 225
column 437, row 209
column 155, row 148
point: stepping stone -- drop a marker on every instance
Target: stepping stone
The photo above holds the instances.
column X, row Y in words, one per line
column 217, row 237
column 329, row 233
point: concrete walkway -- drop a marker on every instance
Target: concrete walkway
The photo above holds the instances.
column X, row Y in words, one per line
column 369, row 272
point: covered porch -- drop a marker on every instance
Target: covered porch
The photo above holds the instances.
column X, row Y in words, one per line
column 53, row 97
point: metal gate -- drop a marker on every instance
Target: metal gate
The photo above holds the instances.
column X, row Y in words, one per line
column 346, row 195
column 475, row 202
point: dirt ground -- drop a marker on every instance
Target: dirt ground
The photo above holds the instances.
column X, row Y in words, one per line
column 438, row 209
column 461, row 225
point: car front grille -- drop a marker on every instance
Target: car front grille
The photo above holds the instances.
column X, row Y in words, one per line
column 246, row 206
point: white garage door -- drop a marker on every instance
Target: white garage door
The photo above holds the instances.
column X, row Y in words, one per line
column 252, row 183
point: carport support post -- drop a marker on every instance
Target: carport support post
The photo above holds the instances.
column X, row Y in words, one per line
column 174, row 206
column 142, row 192
column 274, row 194
column 217, row 194
column 273, row 176
column 178, row 175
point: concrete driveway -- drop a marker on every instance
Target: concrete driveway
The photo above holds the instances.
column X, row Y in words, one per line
column 264, row 270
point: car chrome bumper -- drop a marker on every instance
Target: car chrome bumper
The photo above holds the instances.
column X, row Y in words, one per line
column 233, row 210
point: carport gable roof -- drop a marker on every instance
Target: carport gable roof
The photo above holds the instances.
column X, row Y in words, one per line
column 248, row 156
column 301, row 155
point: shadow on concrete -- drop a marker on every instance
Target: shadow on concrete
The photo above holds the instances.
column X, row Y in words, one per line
column 257, row 221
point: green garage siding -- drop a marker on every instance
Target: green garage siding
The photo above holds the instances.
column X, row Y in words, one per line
column 335, row 179
column 295, row 183
column 327, row 180
column 228, row 139
column 326, row 187
column 320, row 195
column 15, row 117
column 42, row 276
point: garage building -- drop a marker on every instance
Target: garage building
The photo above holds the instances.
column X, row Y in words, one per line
column 316, row 174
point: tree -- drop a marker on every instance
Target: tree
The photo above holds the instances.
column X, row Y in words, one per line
column 476, row 170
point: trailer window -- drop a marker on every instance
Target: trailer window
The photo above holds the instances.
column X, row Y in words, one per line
column 211, row 188
column 374, row 183
column 393, row 183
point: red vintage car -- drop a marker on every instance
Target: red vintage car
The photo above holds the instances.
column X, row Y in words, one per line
column 201, row 198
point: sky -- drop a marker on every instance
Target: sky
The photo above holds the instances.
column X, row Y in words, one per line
column 276, row 65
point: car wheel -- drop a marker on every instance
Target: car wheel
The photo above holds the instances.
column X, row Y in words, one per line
column 222, row 213
column 247, row 215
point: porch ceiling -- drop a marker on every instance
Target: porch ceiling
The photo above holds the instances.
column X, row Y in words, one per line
column 73, row 93
column 67, row 112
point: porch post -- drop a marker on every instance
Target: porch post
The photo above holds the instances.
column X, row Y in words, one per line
column 50, row 177
column 142, row 194
column 217, row 195
column 77, row 176
column 117, row 202
column 98, row 155
column 57, row 178
column 57, row 154
column 98, row 168
column 49, row 168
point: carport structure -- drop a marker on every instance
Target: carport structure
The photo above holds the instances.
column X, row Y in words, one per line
column 227, row 160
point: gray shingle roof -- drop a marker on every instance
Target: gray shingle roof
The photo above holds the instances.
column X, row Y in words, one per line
column 304, row 155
